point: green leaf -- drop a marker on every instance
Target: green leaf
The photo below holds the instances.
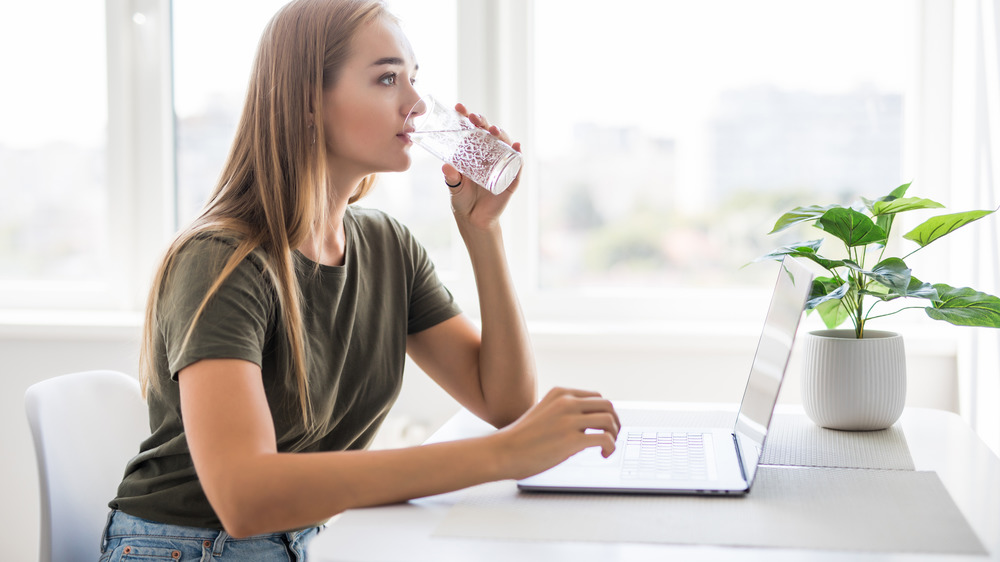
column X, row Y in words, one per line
column 827, row 264
column 965, row 307
column 826, row 289
column 799, row 215
column 892, row 273
column 833, row 313
column 901, row 205
column 938, row 226
column 826, row 297
column 884, row 221
column 898, row 192
column 801, row 249
column 916, row 289
column 920, row 290
column 854, row 228
column 879, row 291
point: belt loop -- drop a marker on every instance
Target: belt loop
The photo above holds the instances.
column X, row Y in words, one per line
column 220, row 543
column 107, row 528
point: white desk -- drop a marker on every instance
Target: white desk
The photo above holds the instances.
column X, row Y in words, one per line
column 938, row 441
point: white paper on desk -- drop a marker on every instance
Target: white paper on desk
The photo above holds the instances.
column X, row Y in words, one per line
column 794, row 440
column 809, row 508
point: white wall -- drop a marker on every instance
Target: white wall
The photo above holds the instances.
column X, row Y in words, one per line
column 688, row 364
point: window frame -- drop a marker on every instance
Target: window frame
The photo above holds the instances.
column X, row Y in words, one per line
column 141, row 140
column 140, row 168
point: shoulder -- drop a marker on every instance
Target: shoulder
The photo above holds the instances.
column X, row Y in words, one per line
column 207, row 264
column 378, row 221
column 381, row 238
column 210, row 252
column 375, row 228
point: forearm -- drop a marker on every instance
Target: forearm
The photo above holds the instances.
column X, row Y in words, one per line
column 506, row 361
column 281, row 491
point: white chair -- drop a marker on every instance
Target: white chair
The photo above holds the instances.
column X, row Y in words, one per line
column 85, row 426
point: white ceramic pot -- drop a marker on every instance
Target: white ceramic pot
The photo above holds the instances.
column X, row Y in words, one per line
column 853, row 384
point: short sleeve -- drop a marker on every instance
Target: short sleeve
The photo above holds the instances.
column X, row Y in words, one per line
column 234, row 323
column 430, row 301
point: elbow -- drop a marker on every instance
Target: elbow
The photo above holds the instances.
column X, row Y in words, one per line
column 248, row 510
column 502, row 418
column 239, row 531
column 502, row 421
column 242, row 511
column 238, row 520
column 241, row 526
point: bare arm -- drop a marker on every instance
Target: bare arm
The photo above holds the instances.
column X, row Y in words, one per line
column 255, row 489
column 491, row 373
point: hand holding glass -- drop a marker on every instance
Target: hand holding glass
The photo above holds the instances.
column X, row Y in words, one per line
column 450, row 136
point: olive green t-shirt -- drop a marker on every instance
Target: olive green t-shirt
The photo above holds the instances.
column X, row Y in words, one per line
column 356, row 316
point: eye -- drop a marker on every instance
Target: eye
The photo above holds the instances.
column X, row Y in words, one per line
column 388, row 79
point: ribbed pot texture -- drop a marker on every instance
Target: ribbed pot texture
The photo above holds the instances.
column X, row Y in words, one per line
column 853, row 384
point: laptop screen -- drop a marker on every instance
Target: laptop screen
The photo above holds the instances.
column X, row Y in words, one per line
column 787, row 303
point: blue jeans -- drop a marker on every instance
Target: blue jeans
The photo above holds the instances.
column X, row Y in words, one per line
column 131, row 538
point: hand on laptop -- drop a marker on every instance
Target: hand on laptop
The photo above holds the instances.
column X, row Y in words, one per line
column 565, row 422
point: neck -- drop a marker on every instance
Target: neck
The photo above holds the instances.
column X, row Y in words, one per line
column 328, row 243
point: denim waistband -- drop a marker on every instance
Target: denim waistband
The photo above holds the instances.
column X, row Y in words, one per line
column 121, row 524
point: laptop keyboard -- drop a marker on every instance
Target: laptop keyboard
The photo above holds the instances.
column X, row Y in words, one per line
column 668, row 455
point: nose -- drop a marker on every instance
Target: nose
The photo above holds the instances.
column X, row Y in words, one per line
column 417, row 109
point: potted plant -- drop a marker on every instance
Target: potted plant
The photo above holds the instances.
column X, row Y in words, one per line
column 856, row 379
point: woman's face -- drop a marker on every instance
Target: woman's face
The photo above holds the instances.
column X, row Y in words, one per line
column 365, row 111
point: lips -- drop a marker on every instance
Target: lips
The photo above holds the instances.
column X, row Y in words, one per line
column 405, row 135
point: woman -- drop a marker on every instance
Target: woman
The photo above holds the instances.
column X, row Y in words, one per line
column 278, row 321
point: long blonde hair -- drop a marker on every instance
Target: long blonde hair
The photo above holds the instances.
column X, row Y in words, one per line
column 272, row 193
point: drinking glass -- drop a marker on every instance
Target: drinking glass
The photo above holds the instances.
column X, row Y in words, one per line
column 451, row 137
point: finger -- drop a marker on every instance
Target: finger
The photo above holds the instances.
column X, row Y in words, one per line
column 605, row 441
column 516, row 146
column 452, row 177
column 602, row 422
column 563, row 391
column 479, row 121
column 595, row 405
column 602, row 406
column 499, row 133
column 568, row 397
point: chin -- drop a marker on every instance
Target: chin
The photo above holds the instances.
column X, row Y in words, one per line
column 402, row 165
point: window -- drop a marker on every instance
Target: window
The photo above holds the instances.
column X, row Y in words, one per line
column 55, row 238
column 210, row 77
column 669, row 135
column 663, row 137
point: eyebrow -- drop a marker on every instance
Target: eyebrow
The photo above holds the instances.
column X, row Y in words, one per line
column 395, row 61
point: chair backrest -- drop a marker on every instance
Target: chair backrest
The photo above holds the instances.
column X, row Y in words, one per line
column 86, row 427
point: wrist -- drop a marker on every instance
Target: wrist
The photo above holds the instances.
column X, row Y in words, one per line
column 483, row 242
column 470, row 230
column 496, row 455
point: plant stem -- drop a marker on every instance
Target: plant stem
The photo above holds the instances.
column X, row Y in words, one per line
column 859, row 324
column 860, row 330
column 895, row 312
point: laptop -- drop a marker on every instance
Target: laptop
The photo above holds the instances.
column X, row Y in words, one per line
column 709, row 461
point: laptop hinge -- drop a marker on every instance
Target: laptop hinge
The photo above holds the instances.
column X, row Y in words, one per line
column 739, row 458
